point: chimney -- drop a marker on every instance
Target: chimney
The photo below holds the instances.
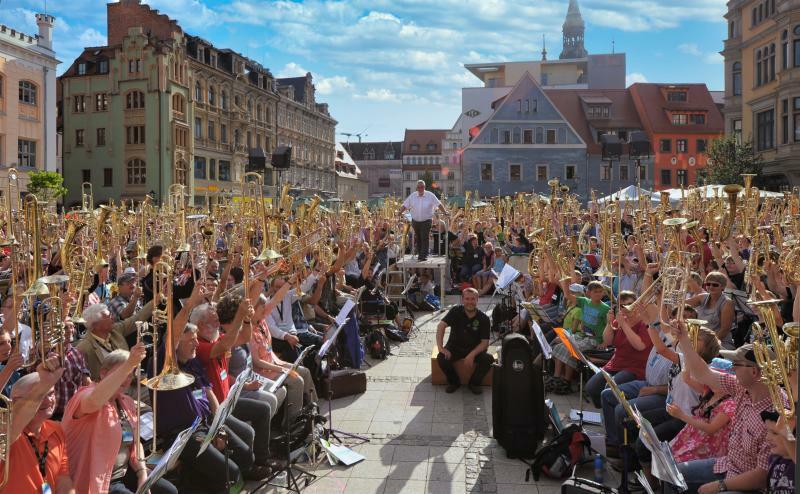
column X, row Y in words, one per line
column 45, row 23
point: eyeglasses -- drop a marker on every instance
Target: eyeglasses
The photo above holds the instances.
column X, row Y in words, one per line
column 743, row 365
column 711, row 284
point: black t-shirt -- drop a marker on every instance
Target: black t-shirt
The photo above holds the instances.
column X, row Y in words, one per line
column 473, row 256
column 465, row 333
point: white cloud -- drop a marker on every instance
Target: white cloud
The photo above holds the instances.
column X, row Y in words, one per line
column 634, row 78
column 291, row 69
column 329, row 85
column 711, row 57
column 690, row 49
column 387, row 95
column 91, row 37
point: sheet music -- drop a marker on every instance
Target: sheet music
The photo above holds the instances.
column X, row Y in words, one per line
column 146, row 426
column 169, row 458
column 342, row 316
column 225, row 408
column 642, row 478
column 507, row 276
column 546, row 350
column 282, row 378
column 663, row 464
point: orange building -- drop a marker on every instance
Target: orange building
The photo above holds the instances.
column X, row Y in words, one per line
column 681, row 121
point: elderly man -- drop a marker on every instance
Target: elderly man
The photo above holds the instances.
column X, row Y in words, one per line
column 103, row 335
column 128, row 298
column 422, row 204
column 38, row 453
column 468, row 340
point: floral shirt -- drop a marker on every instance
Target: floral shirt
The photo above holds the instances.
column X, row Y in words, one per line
column 694, row 444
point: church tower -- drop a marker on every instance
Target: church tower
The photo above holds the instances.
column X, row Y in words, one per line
column 573, row 30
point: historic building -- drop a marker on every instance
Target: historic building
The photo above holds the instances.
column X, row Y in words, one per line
column 350, row 186
column 234, row 118
column 422, row 160
column 681, row 121
column 307, row 126
column 27, row 100
column 762, row 84
column 381, row 165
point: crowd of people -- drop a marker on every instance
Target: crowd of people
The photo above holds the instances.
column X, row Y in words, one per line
column 223, row 307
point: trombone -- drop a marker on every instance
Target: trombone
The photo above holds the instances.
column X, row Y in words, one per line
column 6, row 417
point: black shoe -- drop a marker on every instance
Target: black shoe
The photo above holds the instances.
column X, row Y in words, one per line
column 452, row 388
column 476, row 390
column 258, row 472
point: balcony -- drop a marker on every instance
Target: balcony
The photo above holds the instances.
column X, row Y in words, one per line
column 179, row 116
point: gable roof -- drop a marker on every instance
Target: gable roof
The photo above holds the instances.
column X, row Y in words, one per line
column 498, row 105
column 653, row 108
column 570, row 102
column 358, row 149
column 299, row 85
column 423, row 137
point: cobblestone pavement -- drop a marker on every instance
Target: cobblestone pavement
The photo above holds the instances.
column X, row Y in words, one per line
column 423, row 440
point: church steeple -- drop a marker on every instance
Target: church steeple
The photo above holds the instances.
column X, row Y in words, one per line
column 573, row 30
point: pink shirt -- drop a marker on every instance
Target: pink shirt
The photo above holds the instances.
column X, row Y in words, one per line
column 261, row 340
column 93, row 441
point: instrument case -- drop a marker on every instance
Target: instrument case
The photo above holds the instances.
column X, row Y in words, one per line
column 344, row 382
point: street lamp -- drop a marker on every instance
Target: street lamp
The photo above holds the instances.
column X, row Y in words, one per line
column 639, row 149
column 611, row 150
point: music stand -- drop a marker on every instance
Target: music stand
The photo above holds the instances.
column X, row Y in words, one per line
column 168, row 459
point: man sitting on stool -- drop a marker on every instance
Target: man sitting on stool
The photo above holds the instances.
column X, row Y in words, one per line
column 468, row 340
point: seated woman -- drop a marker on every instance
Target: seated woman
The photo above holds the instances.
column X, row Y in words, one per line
column 484, row 277
column 716, row 308
column 100, row 424
column 705, row 434
column 472, row 261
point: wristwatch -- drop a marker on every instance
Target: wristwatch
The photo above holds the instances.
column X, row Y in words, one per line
column 722, row 486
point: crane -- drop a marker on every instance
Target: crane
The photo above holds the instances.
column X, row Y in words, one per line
column 353, row 134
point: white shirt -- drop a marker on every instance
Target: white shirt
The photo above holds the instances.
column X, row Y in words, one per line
column 422, row 207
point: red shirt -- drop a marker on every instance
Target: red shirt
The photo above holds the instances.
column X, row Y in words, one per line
column 25, row 475
column 627, row 358
column 216, row 368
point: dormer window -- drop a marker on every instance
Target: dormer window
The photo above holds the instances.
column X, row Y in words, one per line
column 102, row 67
column 680, row 119
column 82, row 68
column 676, row 95
column 415, row 147
column 213, row 61
column 599, row 111
column 431, row 147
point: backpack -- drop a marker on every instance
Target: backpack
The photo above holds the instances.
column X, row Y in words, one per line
column 557, row 458
column 377, row 345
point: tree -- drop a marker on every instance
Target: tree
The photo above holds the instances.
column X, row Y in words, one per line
column 46, row 186
column 728, row 160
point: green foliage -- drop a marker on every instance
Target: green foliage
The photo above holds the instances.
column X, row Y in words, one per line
column 46, row 186
column 728, row 161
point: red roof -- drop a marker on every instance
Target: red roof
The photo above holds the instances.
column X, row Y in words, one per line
column 654, row 108
column 423, row 138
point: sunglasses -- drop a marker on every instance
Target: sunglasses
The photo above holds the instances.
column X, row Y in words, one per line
column 711, row 284
column 743, row 365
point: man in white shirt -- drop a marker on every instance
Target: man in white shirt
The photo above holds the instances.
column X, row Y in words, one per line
column 280, row 322
column 422, row 205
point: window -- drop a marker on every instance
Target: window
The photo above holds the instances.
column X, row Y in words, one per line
column 494, row 139
column 605, row 172
column 79, row 135
column 408, row 191
column 198, row 92
column 223, row 133
column 796, row 117
column 551, row 136
column 666, row 146
column 541, row 173
column 134, row 134
column 134, row 100
column 736, row 78
column 737, row 131
column 666, row 177
column 79, row 104
column 100, row 102
column 683, row 178
column 759, row 77
column 108, row 177
column 26, row 153
column 436, row 175
column 86, row 175
column 225, row 170
column 486, row 172
column 642, row 172
column 515, row 173
column 136, row 171
column 623, row 173
column 680, row 119
column 527, row 136
column 82, row 68
column 198, row 128
column 676, row 95
column 199, row 167
column 784, row 121
column 765, row 130
column 796, row 45
column 27, row 92
column 212, row 169
column 451, row 175
column 212, row 96
column 408, row 176
column 506, row 137
column 697, row 119
column 570, row 172
column 415, row 147
column 102, row 67
column 223, row 99
column 519, row 106
column 134, row 66
column 517, row 135
column 527, row 106
column 384, row 182
column 212, row 135
column 771, row 60
column 682, row 145
column 701, row 145
column 785, row 49
column 101, row 136
column 539, row 135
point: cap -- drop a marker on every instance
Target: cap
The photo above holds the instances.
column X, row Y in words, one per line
column 129, row 269
column 126, row 278
column 742, row 355
column 577, row 288
column 722, row 365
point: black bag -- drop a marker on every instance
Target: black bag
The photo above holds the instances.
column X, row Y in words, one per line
column 519, row 415
column 583, row 486
column 394, row 334
column 344, row 382
column 557, row 458
column 377, row 344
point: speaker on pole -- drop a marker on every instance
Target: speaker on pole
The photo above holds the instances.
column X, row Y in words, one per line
column 282, row 158
column 612, row 147
column 257, row 161
column 639, row 145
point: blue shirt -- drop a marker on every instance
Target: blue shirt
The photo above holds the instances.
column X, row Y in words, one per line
column 11, row 380
column 177, row 409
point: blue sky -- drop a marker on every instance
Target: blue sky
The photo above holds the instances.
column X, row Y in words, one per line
column 385, row 66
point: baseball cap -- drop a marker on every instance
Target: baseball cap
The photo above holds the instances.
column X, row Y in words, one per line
column 742, row 355
column 722, row 365
column 130, row 269
column 577, row 288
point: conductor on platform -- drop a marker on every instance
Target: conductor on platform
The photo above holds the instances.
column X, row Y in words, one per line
column 468, row 340
column 422, row 204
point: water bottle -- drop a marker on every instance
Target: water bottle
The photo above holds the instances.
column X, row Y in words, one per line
column 599, row 469
column 281, row 479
